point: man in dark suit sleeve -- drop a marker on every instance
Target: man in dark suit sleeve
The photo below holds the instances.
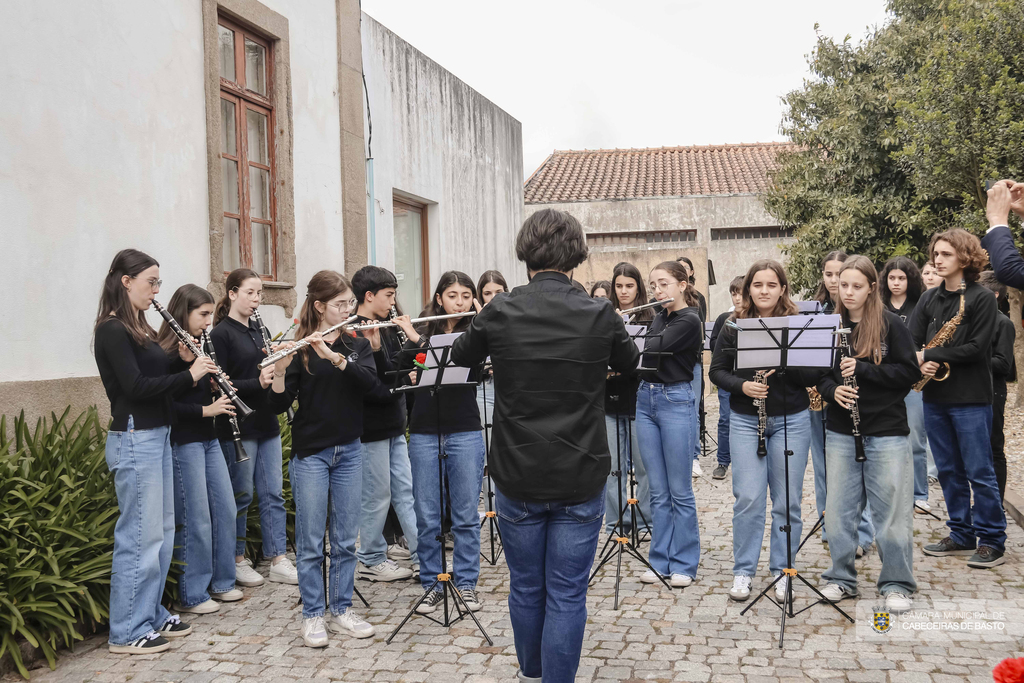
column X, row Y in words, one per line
column 998, row 241
column 550, row 346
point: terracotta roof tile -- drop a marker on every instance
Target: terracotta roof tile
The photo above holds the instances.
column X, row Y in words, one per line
column 593, row 174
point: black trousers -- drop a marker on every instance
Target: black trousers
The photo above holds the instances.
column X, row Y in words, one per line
column 998, row 440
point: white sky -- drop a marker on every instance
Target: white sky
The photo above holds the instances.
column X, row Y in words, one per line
column 628, row 73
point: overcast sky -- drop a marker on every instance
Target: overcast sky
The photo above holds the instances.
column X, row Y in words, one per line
column 628, row 73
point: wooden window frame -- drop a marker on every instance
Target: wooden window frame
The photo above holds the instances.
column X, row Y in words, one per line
column 424, row 241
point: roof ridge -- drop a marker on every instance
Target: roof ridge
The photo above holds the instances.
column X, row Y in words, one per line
column 721, row 146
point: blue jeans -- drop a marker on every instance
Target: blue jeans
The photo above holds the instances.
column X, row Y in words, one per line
column 263, row 466
column 918, row 443
column 140, row 460
column 865, row 531
column 960, row 439
column 549, row 548
column 697, row 385
column 723, row 428
column 463, row 470
column 753, row 477
column 486, row 403
column 664, row 424
column 885, row 481
column 334, row 472
column 204, row 511
column 627, row 448
column 387, row 480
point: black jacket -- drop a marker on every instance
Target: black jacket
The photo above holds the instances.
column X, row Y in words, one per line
column 550, row 346
column 969, row 352
column 239, row 352
column 675, row 343
column 189, row 424
column 1006, row 260
column 385, row 419
column 1004, row 365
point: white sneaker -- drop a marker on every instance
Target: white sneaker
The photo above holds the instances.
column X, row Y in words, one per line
column 922, row 507
column 697, row 471
column 897, row 602
column 649, row 577
column 416, row 572
column 680, row 580
column 208, row 607
column 740, row 590
column 313, row 632
column 398, row 552
column 348, row 622
column 245, row 575
column 233, row 595
column 285, row 572
column 780, row 588
column 833, row 592
column 385, row 571
column 471, row 599
column 861, row 552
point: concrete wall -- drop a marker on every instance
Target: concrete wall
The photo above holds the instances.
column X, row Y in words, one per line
column 439, row 142
column 703, row 213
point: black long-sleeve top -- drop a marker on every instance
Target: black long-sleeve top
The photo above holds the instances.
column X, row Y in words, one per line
column 702, row 306
column 1004, row 365
column 136, row 378
column 330, row 411
column 969, row 352
column 880, row 388
column 239, row 351
column 905, row 312
column 189, row 424
column 786, row 396
column 385, row 419
column 1006, row 260
column 551, row 346
column 716, row 331
column 675, row 341
column 456, row 405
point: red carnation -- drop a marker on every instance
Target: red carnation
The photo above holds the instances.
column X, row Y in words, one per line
column 1009, row 671
column 421, row 361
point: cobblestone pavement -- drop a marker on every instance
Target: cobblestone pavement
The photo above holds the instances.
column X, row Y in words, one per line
column 693, row 634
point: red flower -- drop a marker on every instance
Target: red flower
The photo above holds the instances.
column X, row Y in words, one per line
column 421, row 358
column 1009, row 671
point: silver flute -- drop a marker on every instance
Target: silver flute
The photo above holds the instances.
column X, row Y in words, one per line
column 267, row 343
column 650, row 305
column 302, row 343
column 414, row 321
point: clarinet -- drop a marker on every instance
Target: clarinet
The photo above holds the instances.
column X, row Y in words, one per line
column 290, row 413
column 402, row 337
column 190, row 344
column 236, row 435
column 851, row 381
column 761, row 377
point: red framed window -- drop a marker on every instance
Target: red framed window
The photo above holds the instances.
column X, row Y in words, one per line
column 247, row 150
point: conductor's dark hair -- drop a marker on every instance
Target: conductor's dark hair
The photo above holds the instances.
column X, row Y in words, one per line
column 372, row 279
column 551, row 240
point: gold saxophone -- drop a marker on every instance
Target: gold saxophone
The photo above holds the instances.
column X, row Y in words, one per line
column 942, row 338
column 816, row 400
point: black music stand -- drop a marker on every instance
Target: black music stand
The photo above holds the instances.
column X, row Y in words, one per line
column 760, row 347
column 704, row 434
column 438, row 357
column 490, row 518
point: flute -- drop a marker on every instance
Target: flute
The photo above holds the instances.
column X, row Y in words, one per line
column 414, row 321
column 302, row 343
column 236, row 435
column 650, row 305
column 258, row 319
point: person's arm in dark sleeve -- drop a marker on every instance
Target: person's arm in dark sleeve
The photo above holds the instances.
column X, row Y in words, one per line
column 471, row 346
column 624, row 356
column 183, row 410
column 722, row 361
column 1002, row 347
column 243, row 387
column 900, row 369
column 918, row 323
column 1006, row 260
column 828, row 382
column 981, row 326
column 113, row 340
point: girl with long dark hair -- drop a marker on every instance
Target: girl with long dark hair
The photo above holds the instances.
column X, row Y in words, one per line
column 136, row 376
column 204, row 503
column 629, row 292
column 602, row 289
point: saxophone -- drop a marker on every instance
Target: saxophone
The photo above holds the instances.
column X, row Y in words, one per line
column 761, row 377
column 816, row 401
column 942, row 338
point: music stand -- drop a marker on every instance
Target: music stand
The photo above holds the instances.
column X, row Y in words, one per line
column 490, row 518
column 704, row 434
column 812, row 307
column 433, row 379
column 783, row 343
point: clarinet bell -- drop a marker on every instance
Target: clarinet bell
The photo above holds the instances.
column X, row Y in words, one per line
column 240, row 454
column 762, row 449
column 241, row 409
column 859, row 448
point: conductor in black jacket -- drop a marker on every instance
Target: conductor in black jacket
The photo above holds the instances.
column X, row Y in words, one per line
column 998, row 241
column 551, row 346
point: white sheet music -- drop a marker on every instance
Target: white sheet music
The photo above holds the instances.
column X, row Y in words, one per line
column 812, row 341
column 453, row 374
column 636, row 332
column 708, row 329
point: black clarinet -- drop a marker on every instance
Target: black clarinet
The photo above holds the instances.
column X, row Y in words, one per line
column 851, row 381
column 236, row 435
column 265, row 333
column 401, row 334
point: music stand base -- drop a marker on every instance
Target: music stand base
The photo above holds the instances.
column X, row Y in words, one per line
column 458, row 606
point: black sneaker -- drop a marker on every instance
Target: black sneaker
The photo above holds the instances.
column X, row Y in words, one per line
column 149, row 644
column 947, row 546
column 986, row 557
column 719, row 472
column 471, row 599
column 174, row 627
column 430, row 602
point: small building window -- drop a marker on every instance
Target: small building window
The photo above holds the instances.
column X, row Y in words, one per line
column 605, row 239
column 756, row 233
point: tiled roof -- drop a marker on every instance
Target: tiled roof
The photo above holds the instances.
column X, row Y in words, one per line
column 592, row 174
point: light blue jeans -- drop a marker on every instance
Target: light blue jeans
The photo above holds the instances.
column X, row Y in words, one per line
column 326, row 483
column 884, row 481
column 865, row 531
column 263, row 467
column 753, row 477
column 919, row 444
column 463, row 470
column 628, row 447
column 140, row 460
column 697, row 384
column 723, row 428
column 204, row 511
column 387, row 480
column 664, row 424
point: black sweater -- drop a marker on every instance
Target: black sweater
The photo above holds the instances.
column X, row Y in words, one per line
column 239, row 352
column 969, row 352
column 136, row 378
column 904, row 312
column 881, row 388
column 459, row 411
column 385, row 419
column 1004, row 366
column 724, row 375
column 679, row 334
column 189, row 424
column 330, row 411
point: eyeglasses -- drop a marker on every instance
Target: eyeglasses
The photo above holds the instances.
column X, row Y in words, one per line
column 153, row 282
column 344, row 305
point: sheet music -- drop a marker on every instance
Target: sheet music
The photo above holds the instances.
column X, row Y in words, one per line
column 453, row 374
column 636, row 333
column 809, row 307
column 708, row 329
column 810, row 337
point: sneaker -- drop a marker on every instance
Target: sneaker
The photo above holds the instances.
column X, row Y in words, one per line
column 174, row 627
column 314, row 634
column 680, row 580
column 860, row 552
column 947, row 546
column 398, row 552
column 449, row 541
column 416, row 572
column 897, row 602
column 833, row 592
column 284, row 572
column 649, row 577
column 720, row 472
column 471, row 599
column 208, row 607
column 430, row 602
column 986, row 557
column 245, row 575
column 385, row 571
column 933, row 480
column 350, row 623
column 149, row 644
column 697, row 471
column 233, row 595
column 780, row 588
column 922, row 507
column 740, row 590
